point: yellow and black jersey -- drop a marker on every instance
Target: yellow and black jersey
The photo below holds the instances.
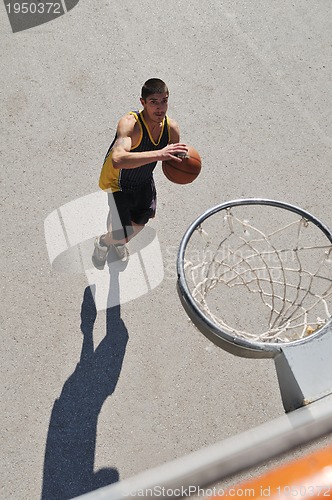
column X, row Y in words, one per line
column 128, row 179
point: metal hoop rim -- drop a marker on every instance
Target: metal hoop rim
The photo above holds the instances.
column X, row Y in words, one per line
column 233, row 344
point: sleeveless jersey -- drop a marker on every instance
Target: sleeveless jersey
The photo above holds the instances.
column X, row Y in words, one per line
column 128, row 179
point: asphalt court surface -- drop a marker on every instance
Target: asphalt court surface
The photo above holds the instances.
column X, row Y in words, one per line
column 250, row 86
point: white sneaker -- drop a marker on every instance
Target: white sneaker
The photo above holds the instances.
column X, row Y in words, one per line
column 122, row 252
column 99, row 255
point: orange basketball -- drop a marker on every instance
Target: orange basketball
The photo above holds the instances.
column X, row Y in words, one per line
column 185, row 171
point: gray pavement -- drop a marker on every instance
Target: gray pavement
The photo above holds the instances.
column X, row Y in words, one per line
column 250, row 85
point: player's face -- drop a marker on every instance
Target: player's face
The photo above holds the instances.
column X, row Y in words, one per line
column 155, row 107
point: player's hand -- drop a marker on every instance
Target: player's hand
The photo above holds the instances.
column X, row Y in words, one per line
column 174, row 152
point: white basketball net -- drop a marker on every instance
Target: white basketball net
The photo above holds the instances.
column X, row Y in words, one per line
column 261, row 286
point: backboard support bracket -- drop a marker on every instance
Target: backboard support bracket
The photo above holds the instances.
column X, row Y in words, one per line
column 304, row 371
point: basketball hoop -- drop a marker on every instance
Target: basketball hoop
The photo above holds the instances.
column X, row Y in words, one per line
column 255, row 276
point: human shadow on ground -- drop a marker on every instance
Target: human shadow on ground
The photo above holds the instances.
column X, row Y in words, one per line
column 71, row 441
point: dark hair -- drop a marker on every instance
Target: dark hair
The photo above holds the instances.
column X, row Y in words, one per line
column 153, row 86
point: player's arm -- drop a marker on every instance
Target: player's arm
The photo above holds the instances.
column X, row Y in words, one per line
column 122, row 157
column 174, row 132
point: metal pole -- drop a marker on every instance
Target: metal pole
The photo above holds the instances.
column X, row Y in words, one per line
column 226, row 458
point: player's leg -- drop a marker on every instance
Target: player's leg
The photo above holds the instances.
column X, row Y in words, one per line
column 145, row 206
column 128, row 214
column 120, row 229
column 142, row 205
column 132, row 212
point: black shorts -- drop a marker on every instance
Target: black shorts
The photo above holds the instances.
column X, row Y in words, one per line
column 137, row 206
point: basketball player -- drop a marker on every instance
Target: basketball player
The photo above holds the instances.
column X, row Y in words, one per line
column 142, row 138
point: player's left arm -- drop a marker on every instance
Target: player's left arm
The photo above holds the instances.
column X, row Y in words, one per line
column 174, row 130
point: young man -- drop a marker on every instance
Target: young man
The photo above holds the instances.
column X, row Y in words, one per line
column 142, row 138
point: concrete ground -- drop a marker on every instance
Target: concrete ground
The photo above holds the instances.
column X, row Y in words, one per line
column 250, row 85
